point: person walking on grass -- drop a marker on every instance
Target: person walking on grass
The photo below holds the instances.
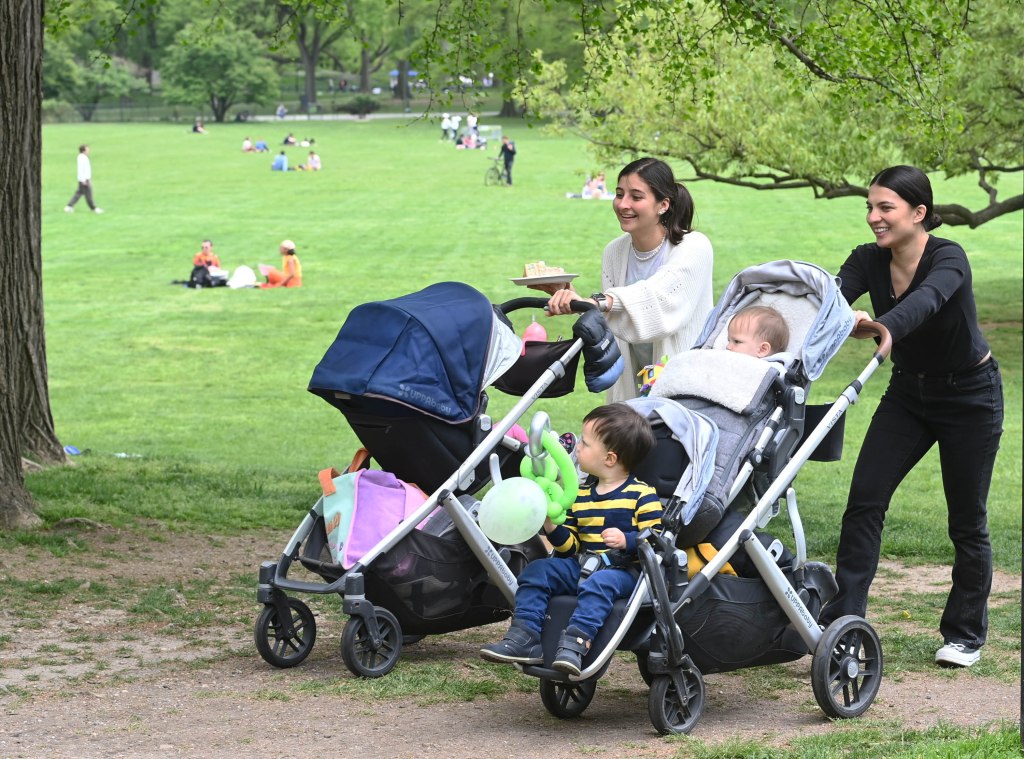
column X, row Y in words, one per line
column 945, row 391
column 84, row 182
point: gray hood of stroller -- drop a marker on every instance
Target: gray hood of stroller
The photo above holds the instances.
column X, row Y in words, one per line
column 830, row 327
column 699, row 438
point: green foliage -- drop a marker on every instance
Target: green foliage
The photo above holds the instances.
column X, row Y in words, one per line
column 218, row 67
column 773, row 96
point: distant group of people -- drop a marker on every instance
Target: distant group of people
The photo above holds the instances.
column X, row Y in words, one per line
column 289, row 139
column 280, row 162
column 260, row 146
column 312, row 163
column 470, row 138
column 207, row 271
column 594, row 188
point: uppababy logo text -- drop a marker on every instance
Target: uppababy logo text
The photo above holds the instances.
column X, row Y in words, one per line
column 424, row 400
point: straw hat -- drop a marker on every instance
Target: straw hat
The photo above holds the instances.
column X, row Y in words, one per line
column 288, row 245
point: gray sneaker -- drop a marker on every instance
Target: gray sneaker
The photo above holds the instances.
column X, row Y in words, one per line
column 957, row 655
column 521, row 645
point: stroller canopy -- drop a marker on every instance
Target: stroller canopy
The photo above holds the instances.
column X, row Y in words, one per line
column 430, row 350
column 821, row 338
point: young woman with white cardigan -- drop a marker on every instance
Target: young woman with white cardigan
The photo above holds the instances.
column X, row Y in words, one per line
column 655, row 278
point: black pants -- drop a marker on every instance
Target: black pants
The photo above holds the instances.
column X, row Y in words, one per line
column 963, row 413
column 508, row 172
column 84, row 188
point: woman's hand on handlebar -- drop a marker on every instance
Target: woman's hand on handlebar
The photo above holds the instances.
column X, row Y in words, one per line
column 561, row 302
column 860, row 316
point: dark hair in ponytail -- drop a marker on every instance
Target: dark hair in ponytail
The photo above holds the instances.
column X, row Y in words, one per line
column 911, row 184
column 658, row 175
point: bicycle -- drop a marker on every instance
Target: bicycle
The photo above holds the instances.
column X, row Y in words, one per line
column 496, row 174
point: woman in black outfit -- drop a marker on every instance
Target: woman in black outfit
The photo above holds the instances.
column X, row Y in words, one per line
column 945, row 388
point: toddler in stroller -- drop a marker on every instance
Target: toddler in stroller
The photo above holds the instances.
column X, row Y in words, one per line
column 600, row 534
column 409, row 376
column 739, row 445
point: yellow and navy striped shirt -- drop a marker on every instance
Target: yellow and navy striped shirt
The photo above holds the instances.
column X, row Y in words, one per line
column 632, row 507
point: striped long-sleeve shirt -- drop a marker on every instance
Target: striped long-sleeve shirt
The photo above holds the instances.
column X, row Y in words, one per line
column 632, row 507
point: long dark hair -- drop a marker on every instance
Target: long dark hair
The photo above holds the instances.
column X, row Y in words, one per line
column 678, row 219
column 911, row 184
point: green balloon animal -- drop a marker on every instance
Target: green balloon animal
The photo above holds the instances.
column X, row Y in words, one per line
column 556, row 465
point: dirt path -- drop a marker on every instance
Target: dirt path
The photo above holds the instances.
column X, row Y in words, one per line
column 88, row 679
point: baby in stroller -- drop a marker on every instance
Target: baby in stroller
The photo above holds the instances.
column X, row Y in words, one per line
column 757, row 331
column 726, row 455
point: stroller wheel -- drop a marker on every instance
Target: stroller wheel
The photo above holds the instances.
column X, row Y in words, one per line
column 567, row 700
column 673, row 713
column 846, row 671
column 281, row 647
column 361, row 656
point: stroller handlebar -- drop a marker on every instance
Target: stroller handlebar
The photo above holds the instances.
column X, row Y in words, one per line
column 874, row 329
column 579, row 306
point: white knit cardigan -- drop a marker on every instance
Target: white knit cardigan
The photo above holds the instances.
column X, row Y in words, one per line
column 667, row 309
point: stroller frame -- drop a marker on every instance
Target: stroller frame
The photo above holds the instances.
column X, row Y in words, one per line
column 285, row 630
column 847, row 661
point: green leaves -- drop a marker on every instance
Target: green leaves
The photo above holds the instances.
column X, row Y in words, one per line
column 218, row 67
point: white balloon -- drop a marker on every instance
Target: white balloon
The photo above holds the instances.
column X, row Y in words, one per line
column 513, row 511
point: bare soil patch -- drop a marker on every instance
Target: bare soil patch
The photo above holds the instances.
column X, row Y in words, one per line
column 91, row 682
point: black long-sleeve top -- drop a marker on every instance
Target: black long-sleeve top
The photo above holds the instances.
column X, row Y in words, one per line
column 934, row 324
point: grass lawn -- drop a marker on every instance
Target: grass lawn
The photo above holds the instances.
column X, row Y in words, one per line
column 205, row 390
column 213, row 381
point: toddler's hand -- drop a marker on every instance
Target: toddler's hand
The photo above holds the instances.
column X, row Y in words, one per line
column 613, row 537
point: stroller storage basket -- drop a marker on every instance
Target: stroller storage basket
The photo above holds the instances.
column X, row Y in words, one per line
column 736, row 623
column 432, row 584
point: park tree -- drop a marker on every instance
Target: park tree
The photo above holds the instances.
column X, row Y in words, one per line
column 26, row 423
column 85, row 81
column 314, row 31
column 777, row 95
column 218, row 65
column 82, row 65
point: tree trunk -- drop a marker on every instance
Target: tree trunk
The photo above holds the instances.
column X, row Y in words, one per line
column 26, row 425
column 219, row 107
column 402, row 88
column 364, row 70
column 509, row 110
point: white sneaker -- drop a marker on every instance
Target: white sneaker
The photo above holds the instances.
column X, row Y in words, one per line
column 68, row 209
column 97, row 210
column 957, row 655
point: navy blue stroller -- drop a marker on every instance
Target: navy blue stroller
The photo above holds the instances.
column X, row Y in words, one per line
column 409, row 375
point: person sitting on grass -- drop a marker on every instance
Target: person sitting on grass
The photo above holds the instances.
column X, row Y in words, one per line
column 608, row 515
column 280, row 162
column 206, row 256
column 291, row 269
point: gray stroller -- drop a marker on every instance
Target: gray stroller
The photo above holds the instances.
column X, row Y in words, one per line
column 727, row 455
